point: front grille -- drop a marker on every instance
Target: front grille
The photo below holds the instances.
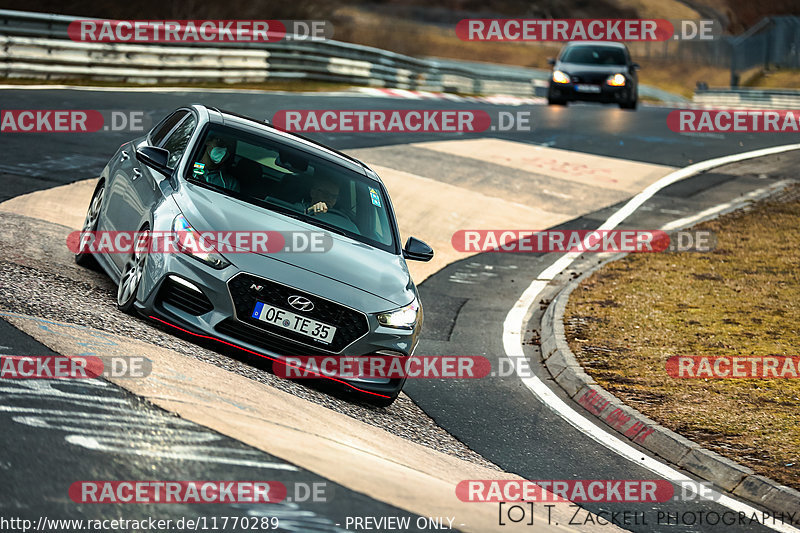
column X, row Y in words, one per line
column 256, row 337
column 186, row 299
column 595, row 79
column 350, row 324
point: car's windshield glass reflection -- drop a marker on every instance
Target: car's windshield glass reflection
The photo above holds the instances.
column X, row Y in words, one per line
column 293, row 182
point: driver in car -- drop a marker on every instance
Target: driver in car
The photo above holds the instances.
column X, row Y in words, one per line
column 322, row 196
column 214, row 166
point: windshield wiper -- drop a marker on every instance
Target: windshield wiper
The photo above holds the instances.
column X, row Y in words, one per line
column 330, row 227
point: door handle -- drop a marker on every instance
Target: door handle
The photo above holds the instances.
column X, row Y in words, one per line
column 124, row 156
column 137, row 173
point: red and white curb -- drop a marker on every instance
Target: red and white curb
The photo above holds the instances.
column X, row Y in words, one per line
column 499, row 99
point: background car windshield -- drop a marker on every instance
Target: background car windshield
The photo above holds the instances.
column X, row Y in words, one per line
column 594, row 55
column 269, row 174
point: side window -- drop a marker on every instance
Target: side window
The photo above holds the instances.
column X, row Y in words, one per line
column 161, row 131
column 176, row 143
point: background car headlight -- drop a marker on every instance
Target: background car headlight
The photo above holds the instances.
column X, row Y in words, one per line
column 403, row 318
column 617, row 80
column 560, row 77
column 181, row 227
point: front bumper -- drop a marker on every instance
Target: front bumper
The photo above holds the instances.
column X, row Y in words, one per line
column 185, row 293
column 607, row 94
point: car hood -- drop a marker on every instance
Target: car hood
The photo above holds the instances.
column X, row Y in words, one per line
column 358, row 265
column 577, row 69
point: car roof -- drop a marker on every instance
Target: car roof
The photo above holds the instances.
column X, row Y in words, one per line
column 230, row 118
column 613, row 44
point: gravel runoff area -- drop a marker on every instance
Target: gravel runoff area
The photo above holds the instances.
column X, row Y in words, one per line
column 740, row 300
column 38, row 278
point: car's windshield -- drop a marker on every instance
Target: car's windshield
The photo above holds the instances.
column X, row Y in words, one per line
column 269, row 174
column 594, row 55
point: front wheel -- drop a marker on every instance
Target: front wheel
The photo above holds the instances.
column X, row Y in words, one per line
column 553, row 101
column 84, row 258
column 628, row 105
column 132, row 274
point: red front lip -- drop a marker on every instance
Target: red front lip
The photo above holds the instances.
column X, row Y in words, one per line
column 265, row 356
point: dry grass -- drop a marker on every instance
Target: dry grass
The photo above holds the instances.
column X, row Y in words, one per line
column 663, row 9
column 625, row 321
column 776, row 79
column 680, row 79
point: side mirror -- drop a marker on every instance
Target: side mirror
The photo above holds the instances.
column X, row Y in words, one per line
column 635, row 66
column 551, row 61
column 416, row 250
column 155, row 158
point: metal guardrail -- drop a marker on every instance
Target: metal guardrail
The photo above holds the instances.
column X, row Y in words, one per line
column 749, row 98
column 36, row 45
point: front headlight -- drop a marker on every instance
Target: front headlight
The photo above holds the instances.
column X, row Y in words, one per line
column 403, row 318
column 617, row 80
column 186, row 234
column 560, row 77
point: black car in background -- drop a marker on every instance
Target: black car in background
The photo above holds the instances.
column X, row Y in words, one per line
column 594, row 72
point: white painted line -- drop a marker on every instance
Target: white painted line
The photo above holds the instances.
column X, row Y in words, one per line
column 727, row 207
column 93, row 443
column 404, row 93
column 374, row 91
column 453, row 97
column 515, row 321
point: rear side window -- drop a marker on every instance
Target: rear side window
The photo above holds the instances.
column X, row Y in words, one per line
column 162, row 130
column 178, row 140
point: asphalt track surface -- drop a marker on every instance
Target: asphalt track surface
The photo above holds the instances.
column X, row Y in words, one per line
column 497, row 417
column 125, row 438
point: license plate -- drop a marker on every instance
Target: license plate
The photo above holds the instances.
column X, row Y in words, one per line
column 293, row 322
column 584, row 88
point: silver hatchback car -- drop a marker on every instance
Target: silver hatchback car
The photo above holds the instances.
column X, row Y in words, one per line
column 204, row 170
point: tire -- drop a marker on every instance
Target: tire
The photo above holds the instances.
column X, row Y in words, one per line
column 628, row 105
column 553, row 101
column 86, row 259
column 132, row 275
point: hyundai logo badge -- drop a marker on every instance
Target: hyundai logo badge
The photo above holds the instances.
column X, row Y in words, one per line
column 301, row 303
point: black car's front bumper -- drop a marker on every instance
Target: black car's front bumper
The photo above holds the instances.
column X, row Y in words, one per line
column 570, row 92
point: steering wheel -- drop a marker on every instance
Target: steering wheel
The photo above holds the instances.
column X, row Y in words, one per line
column 346, row 222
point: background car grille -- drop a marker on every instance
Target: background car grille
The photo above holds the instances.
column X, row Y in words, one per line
column 595, row 79
column 188, row 300
column 350, row 324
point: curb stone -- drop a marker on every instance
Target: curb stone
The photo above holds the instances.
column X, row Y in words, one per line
column 635, row 426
